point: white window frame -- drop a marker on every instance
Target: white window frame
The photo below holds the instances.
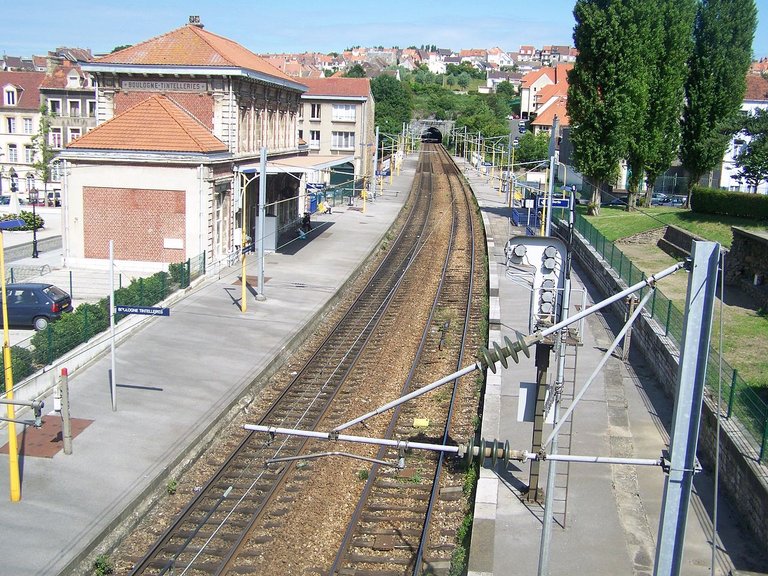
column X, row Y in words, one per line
column 13, row 153
column 10, row 124
column 314, row 111
column 71, row 105
column 314, row 143
column 27, row 125
column 74, row 132
column 344, row 113
column 342, row 140
column 29, row 154
column 56, row 137
column 9, row 97
column 91, row 106
column 50, row 106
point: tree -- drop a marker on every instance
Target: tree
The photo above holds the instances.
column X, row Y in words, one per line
column 601, row 95
column 463, row 80
column 44, row 153
column 664, row 38
column 662, row 128
column 506, row 89
column 532, row 148
column 393, row 103
column 722, row 53
column 752, row 159
column 121, row 47
column 355, row 71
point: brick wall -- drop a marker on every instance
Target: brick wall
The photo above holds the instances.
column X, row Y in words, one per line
column 199, row 105
column 137, row 220
column 743, row 480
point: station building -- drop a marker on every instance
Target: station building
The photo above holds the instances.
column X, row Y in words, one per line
column 171, row 171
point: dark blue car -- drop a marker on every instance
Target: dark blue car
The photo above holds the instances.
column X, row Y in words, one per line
column 34, row 304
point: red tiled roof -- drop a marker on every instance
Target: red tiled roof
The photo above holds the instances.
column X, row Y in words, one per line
column 157, row 124
column 531, row 77
column 192, row 46
column 333, row 86
column 757, row 88
column 548, row 115
column 58, row 78
column 28, row 84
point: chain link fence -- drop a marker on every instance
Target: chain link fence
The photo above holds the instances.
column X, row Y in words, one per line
column 742, row 402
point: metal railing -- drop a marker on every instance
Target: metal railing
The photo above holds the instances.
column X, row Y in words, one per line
column 743, row 404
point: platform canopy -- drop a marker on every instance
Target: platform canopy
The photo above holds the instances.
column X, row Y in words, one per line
column 300, row 164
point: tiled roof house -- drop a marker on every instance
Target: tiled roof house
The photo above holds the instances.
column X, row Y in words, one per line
column 171, row 170
column 533, row 84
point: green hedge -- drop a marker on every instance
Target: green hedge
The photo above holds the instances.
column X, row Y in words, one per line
column 21, row 364
column 742, row 204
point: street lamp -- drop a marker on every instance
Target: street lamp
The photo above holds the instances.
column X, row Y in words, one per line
column 33, row 198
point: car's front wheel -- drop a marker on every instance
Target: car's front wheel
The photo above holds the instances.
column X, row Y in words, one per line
column 41, row 323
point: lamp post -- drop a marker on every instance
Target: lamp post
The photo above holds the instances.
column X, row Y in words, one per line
column 33, row 198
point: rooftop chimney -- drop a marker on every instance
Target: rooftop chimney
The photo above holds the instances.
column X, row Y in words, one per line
column 195, row 21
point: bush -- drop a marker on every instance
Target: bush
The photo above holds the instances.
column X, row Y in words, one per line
column 742, row 204
column 69, row 331
column 21, row 365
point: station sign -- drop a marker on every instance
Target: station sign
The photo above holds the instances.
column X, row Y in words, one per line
column 556, row 203
column 143, row 310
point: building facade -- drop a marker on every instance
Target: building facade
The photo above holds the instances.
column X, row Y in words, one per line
column 171, row 170
column 19, row 123
column 755, row 98
column 337, row 119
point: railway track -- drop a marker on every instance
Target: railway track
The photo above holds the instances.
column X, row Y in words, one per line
column 391, row 531
column 231, row 524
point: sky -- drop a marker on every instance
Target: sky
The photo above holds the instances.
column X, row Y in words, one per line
column 300, row 25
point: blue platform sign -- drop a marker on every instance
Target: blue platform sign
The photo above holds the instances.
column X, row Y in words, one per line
column 143, row 310
column 556, row 203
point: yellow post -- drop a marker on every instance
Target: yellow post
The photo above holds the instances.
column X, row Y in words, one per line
column 13, row 448
column 364, row 196
column 493, row 165
column 511, row 192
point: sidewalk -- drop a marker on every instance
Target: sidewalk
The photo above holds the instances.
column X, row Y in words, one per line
column 177, row 377
column 612, row 514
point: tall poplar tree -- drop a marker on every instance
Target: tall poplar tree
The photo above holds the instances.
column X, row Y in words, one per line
column 670, row 42
column 716, row 83
column 601, row 93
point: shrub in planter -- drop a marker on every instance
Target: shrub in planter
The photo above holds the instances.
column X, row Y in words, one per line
column 69, row 331
column 21, row 364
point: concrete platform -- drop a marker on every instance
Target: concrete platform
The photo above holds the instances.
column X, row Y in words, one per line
column 609, row 521
column 176, row 377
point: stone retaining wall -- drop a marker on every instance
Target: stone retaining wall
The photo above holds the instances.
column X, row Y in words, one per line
column 743, row 479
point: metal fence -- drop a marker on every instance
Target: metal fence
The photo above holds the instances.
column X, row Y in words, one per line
column 742, row 402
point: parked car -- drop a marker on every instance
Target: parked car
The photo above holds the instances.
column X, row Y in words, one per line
column 659, row 199
column 53, row 198
column 6, row 201
column 35, row 304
